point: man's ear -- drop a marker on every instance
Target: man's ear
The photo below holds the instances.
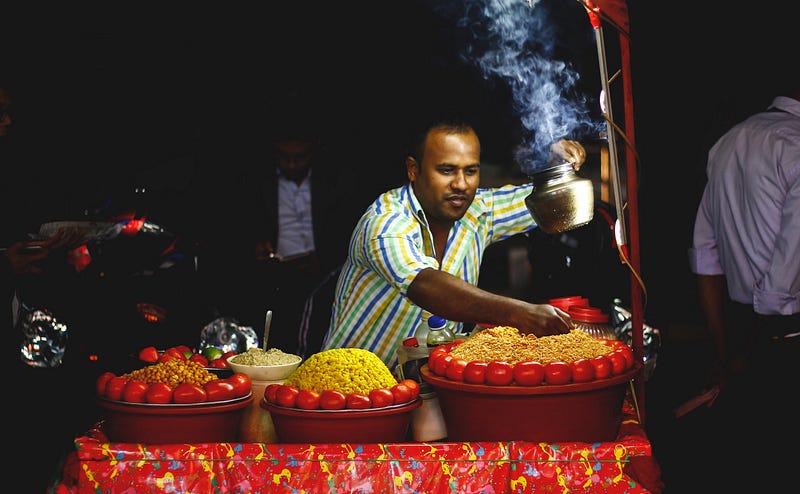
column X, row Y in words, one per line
column 412, row 168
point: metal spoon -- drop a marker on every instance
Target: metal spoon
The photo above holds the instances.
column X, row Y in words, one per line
column 267, row 323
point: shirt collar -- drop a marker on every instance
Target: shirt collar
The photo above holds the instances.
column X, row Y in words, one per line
column 787, row 104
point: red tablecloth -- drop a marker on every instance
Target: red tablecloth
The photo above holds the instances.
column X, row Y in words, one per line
column 625, row 465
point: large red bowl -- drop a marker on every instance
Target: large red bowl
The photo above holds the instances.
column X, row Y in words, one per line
column 210, row 422
column 584, row 412
column 367, row 426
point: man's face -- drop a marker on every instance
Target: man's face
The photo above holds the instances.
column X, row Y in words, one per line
column 294, row 158
column 446, row 181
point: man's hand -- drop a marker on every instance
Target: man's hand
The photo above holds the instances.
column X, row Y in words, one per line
column 542, row 320
column 570, row 151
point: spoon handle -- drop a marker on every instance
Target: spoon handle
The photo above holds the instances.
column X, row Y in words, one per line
column 267, row 323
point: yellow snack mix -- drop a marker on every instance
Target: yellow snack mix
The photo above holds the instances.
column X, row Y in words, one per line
column 349, row 370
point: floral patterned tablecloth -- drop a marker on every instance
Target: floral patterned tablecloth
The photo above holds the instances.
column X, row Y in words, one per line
column 625, row 465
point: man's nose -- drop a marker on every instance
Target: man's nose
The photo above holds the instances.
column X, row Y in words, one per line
column 459, row 181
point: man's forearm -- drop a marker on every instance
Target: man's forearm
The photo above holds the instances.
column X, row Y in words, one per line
column 453, row 298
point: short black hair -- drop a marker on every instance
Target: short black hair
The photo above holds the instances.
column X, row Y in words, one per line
column 452, row 123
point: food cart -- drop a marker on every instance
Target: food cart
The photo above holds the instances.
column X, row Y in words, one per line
column 624, row 465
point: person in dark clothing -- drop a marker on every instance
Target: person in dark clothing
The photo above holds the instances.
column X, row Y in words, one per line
column 291, row 218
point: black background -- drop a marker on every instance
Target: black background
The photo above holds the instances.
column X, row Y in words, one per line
column 172, row 97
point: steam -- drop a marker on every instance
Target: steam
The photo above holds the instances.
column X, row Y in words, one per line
column 514, row 40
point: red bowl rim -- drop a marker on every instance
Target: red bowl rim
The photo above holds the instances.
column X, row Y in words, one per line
column 344, row 413
column 117, row 404
column 516, row 389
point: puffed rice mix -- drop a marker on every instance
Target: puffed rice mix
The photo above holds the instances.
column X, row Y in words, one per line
column 508, row 344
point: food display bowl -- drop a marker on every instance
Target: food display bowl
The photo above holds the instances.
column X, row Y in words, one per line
column 583, row 412
column 265, row 372
column 144, row 423
column 373, row 425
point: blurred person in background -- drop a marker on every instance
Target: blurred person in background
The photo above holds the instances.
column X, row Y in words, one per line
column 291, row 217
column 744, row 253
column 419, row 247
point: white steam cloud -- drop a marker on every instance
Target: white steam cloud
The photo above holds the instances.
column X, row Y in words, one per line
column 514, row 40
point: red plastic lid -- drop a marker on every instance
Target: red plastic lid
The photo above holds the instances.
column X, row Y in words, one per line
column 564, row 303
column 411, row 342
column 587, row 314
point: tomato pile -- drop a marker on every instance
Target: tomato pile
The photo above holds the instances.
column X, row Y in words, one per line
column 172, row 382
column 289, row 396
column 529, row 372
column 210, row 357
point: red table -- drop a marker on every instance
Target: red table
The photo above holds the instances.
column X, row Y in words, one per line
column 625, row 465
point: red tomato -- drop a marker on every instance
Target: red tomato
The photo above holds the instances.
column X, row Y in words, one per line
column 183, row 349
column 626, row 352
column 100, row 384
column 134, row 392
column 413, row 386
column 582, row 370
column 224, row 357
column 475, row 372
column 455, row 371
column 381, row 397
column 199, row 358
column 166, row 357
column 441, row 363
column 114, row 387
column 219, row 363
column 148, row 354
column 219, row 390
column 357, row 401
column 401, row 393
column 158, row 393
column 188, row 393
column 617, row 344
column 308, row 399
column 528, row 373
column 439, row 350
column 287, row 396
column 271, row 391
column 242, row 383
column 330, row 399
column 499, row 373
column 602, row 366
column 617, row 362
column 557, row 372
column 175, row 353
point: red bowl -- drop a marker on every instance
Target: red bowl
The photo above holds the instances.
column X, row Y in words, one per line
column 210, row 422
column 368, row 426
column 584, row 412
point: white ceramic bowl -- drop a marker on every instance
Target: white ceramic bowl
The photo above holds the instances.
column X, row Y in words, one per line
column 265, row 372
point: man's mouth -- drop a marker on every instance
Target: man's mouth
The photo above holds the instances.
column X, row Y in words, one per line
column 457, row 201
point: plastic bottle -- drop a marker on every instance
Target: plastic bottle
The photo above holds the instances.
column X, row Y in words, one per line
column 438, row 332
column 421, row 333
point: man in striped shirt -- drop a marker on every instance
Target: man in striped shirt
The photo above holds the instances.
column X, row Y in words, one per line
column 419, row 247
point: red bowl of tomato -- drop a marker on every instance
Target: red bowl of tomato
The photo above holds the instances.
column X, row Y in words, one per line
column 148, row 423
column 578, row 411
column 369, row 425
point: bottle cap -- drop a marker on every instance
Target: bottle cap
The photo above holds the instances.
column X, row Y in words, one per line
column 436, row 322
column 411, row 342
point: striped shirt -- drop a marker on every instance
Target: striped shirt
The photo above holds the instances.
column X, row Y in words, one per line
column 392, row 243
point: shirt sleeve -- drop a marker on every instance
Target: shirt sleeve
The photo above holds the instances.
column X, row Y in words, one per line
column 704, row 255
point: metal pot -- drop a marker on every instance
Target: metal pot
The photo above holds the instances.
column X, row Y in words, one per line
column 560, row 199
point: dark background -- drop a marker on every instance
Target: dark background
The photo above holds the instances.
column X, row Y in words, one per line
column 174, row 97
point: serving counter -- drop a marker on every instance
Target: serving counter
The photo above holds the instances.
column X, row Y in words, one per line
column 625, row 465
